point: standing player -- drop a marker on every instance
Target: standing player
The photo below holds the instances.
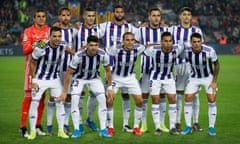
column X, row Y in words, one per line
column 64, row 17
column 148, row 35
column 202, row 58
column 161, row 78
column 88, row 61
column 38, row 31
column 112, row 33
column 44, row 69
column 85, row 30
column 125, row 57
column 181, row 35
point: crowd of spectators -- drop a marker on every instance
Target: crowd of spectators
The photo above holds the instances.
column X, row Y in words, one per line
column 216, row 18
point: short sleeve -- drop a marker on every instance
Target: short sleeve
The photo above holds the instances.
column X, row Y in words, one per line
column 149, row 51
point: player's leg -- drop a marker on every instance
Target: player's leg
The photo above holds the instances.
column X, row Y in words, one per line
column 170, row 88
column 196, row 109
column 67, row 107
column 212, row 107
column 133, row 88
column 80, row 107
column 144, row 84
column 77, row 88
column 50, row 112
column 97, row 88
column 40, row 115
column 36, row 96
column 110, row 111
column 24, row 112
column 126, row 109
column 91, row 107
column 191, row 89
column 163, row 107
column 155, row 87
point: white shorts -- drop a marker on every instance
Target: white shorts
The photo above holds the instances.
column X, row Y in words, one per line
column 94, row 85
column 144, row 83
column 130, row 83
column 168, row 86
column 195, row 83
column 182, row 76
column 54, row 86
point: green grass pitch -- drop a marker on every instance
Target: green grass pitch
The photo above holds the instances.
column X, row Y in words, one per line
column 227, row 124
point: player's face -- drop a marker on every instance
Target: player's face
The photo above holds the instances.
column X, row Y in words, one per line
column 186, row 17
column 92, row 48
column 196, row 44
column 40, row 18
column 55, row 38
column 65, row 17
column 128, row 42
column 154, row 18
column 119, row 14
column 89, row 17
column 167, row 44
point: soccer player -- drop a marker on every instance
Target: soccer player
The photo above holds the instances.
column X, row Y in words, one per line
column 88, row 61
column 161, row 78
column 80, row 39
column 44, row 69
column 64, row 17
column 181, row 34
column 125, row 57
column 38, row 31
column 204, row 72
column 150, row 34
column 112, row 33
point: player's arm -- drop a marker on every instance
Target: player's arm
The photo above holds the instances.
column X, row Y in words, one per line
column 215, row 76
column 33, row 64
column 110, row 93
column 70, row 51
column 67, row 80
column 27, row 42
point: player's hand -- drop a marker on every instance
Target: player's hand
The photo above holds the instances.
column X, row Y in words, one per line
column 35, row 89
column 62, row 97
column 213, row 85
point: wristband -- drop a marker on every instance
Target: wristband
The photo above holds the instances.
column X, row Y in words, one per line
column 34, row 80
column 109, row 88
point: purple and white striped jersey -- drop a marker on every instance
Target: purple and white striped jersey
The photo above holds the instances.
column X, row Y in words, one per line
column 124, row 61
column 88, row 67
column 112, row 33
column 80, row 38
column 146, row 36
column 201, row 63
column 67, row 38
column 162, row 63
column 48, row 64
column 183, row 35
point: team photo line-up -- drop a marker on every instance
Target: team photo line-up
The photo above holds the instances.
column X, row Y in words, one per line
column 66, row 60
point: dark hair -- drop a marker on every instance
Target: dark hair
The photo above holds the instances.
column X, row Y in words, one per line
column 164, row 34
column 89, row 9
column 39, row 10
column 196, row 35
column 153, row 9
column 127, row 33
column 63, row 9
column 185, row 9
column 118, row 6
column 55, row 29
column 92, row 38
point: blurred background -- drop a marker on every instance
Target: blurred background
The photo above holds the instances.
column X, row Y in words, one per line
column 216, row 18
